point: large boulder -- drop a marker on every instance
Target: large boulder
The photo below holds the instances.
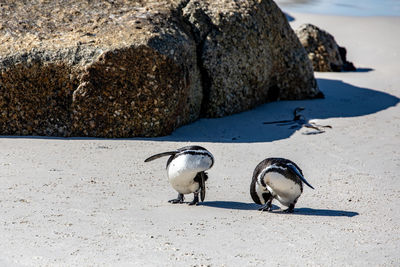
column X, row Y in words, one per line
column 142, row 68
column 249, row 55
column 93, row 68
column 323, row 51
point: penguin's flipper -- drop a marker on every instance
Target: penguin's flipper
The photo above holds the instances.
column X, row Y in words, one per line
column 156, row 156
column 298, row 173
column 203, row 186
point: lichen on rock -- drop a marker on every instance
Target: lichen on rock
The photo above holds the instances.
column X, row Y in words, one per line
column 130, row 92
column 40, row 103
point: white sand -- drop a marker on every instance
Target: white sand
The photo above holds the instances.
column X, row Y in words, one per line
column 89, row 202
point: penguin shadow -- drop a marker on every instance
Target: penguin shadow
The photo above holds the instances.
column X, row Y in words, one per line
column 235, row 205
column 321, row 212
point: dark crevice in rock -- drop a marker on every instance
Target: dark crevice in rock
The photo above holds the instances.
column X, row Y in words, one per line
column 181, row 6
column 205, row 77
column 273, row 93
column 200, row 39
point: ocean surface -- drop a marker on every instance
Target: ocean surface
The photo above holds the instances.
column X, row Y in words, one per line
column 343, row 7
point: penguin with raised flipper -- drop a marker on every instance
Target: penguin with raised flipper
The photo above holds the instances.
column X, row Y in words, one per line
column 277, row 178
column 186, row 168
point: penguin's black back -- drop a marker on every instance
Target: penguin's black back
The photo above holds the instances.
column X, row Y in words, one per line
column 192, row 150
column 279, row 162
column 253, row 192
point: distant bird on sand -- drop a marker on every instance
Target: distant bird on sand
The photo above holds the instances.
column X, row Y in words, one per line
column 186, row 168
column 277, row 178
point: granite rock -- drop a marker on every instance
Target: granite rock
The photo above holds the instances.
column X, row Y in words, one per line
column 249, row 55
column 323, row 51
column 93, row 68
column 142, row 68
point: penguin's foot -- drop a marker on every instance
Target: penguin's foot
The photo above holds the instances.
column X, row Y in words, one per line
column 266, row 207
column 290, row 209
column 179, row 199
column 195, row 199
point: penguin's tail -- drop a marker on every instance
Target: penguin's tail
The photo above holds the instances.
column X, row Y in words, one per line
column 156, row 156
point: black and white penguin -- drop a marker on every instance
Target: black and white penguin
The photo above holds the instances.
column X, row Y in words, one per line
column 186, row 168
column 277, row 178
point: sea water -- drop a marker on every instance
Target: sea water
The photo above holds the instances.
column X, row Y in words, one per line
column 343, row 7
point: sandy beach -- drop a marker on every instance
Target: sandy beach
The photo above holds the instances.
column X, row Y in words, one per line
column 94, row 202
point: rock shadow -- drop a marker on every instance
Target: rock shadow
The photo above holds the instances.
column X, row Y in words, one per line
column 341, row 100
column 364, row 69
column 289, row 17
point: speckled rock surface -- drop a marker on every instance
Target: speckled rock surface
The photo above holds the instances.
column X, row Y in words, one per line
column 142, row 68
column 250, row 55
column 110, row 69
column 323, row 51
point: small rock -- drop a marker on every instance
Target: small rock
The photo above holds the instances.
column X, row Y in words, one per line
column 323, row 51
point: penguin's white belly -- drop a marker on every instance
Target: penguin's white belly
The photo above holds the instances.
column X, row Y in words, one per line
column 283, row 189
column 184, row 168
column 184, row 183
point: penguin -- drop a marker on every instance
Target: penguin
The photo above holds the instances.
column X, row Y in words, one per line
column 277, row 178
column 186, row 168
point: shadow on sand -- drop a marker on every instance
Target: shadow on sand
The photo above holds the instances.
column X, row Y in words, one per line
column 364, row 70
column 323, row 212
column 234, row 205
column 289, row 17
column 230, row 205
column 341, row 100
